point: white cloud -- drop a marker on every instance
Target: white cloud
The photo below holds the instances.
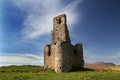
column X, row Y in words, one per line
column 40, row 15
column 21, row 59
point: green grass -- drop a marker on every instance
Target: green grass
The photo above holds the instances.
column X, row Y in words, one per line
column 38, row 73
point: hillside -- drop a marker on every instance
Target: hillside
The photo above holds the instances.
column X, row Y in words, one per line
column 113, row 68
column 98, row 65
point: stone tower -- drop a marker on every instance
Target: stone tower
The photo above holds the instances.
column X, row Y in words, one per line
column 61, row 55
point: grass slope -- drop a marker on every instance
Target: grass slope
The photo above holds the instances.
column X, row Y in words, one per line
column 113, row 68
column 28, row 72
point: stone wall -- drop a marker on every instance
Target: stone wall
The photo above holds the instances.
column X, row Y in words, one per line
column 60, row 31
column 61, row 55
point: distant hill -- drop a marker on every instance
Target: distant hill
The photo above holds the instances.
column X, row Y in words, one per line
column 104, row 63
column 98, row 65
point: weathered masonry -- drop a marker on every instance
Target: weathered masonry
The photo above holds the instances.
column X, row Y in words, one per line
column 61, row 55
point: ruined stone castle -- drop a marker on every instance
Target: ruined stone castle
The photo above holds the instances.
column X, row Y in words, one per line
column 61, row 55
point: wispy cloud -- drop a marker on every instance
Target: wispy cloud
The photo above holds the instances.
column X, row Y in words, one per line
column 21, row 59
column 41, row 12
column 90, row 56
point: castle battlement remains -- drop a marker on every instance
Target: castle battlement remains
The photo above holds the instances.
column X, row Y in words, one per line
column 61, row 55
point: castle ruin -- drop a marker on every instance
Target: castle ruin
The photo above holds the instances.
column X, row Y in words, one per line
column 61, row 55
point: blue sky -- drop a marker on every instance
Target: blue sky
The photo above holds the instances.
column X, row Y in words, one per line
column 25, row 28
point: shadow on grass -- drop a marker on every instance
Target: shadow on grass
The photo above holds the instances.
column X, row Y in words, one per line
column 81, row 69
